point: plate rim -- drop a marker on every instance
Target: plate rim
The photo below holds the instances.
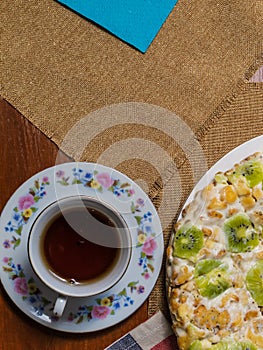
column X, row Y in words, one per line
column 225, row 163
column 247, row 149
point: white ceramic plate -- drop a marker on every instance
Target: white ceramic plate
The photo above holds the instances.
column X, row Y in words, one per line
column 91, row 313
column 226, row 163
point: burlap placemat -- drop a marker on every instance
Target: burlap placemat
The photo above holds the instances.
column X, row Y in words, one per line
column 241, row 121
column 74, row 81
column 56, row 67
column 146, row 115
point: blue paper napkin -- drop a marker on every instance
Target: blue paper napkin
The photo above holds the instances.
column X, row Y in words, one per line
column 135, row 21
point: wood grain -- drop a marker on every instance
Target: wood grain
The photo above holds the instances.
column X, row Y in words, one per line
column 24, row 152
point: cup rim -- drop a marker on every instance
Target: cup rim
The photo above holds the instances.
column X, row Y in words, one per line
column 78, row 290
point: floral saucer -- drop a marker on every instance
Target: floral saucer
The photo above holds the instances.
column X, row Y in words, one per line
column 91, row 313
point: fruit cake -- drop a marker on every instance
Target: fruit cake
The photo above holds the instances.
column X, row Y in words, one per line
column 215, row 263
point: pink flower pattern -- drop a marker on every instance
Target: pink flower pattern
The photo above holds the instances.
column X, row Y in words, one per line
column 149, row 246
column 100, row 312
column 26, row 207
column 146, row 275
column 5, row 260
column 25, row 202
column 20, row 286
column 60, row 173
column 25, row 286
column 115, row 302
column 105, row 180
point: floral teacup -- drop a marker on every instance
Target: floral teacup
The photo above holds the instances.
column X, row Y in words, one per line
column 79, row 246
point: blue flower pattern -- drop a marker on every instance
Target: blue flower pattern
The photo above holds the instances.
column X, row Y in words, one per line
column 21, row 216
column 27, row 288
column 106, row 306
column 92, row 180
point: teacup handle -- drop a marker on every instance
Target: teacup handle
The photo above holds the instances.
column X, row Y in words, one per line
column 60, row 305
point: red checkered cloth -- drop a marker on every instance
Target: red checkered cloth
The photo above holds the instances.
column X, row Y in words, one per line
column 154, row 334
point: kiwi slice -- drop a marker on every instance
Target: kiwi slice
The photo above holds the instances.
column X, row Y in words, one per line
column 223, row 345
column 187, row 242
column 240, row 233
column 220, row 178
column 254, row 282
column 205, row 266
column 196, row 345
column 220, row 346
column 213, row 283
column 251, row 170
column 246, row 345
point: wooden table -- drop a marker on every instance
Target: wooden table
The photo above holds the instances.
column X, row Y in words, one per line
column 24, row 152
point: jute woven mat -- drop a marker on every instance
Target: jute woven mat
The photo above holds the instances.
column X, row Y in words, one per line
column 241, row 121
column 157, row 117
column 57, row 67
